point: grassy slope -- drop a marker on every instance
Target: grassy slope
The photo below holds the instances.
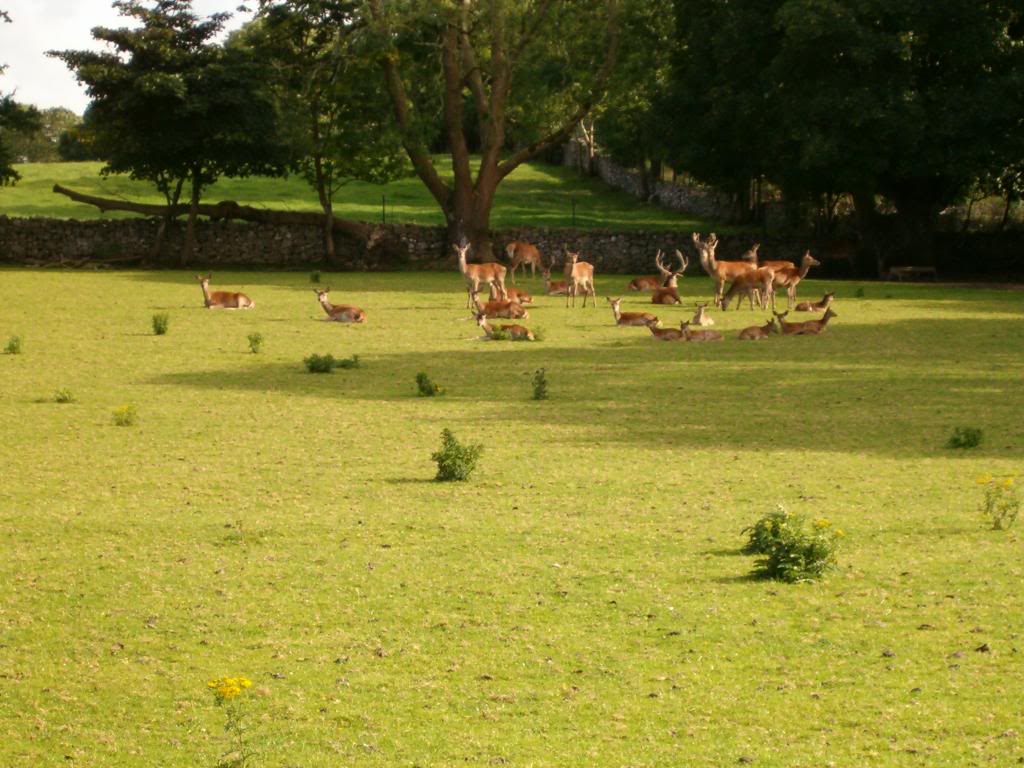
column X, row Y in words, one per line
column 535, row 195
column 581, row 602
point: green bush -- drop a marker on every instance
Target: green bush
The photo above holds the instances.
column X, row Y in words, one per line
column 426, row 386
column 860, row 293
column 124, row 415
column 255, row 342
column 13, row 346
column 320, row 363
column 314, row 276
column 455, row 461
column 1001, row 504
column 160, row 323
column 348, row 362
column 540, row 385
column 964, row 437
column 790, row 549
column 63, row 396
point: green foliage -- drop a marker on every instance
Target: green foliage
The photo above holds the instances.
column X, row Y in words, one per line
column 15, row 120
column 40, row 145
column 540, row 385
column 161, row 321
column 426, row 386
column 1001, row 502
column 790, row 549
column 314, row 276
column 859, row 293
column 455, row 461
column 348, row 362
column 125, row 415
column 13, row 345
column 64, row 395
column 320, row 363
column 539, row 334
column 255, row 342
column 965, row 437
column 499, row 334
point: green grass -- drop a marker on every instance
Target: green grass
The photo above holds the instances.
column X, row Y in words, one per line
column 533, row 195
column 581, row 601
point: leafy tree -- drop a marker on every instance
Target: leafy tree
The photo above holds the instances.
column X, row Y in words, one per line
column 41, row 145
column 444, row 61
column 171, row 107
column 15, row 119
column 324, row 76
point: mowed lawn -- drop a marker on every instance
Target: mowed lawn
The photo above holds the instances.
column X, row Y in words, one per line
column 580, row 602
column 535, row 194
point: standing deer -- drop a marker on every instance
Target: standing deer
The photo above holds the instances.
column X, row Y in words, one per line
column 719, row 271
column 340, row 313
column 521, row 254
column 556, row 288
column 668, row 293
column 514, row 332
column 756, row 332
column 756, row 284
column 579, row 275
column 517, row 295
column 499, row 308
column 701, row 317
column 663, row 334
column 223, row 299
column 629, row 318
column 689, row 335
column 816, row 306
column 790, row 277
column 475, row 274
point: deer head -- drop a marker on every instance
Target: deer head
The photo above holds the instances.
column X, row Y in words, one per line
column 809, row 261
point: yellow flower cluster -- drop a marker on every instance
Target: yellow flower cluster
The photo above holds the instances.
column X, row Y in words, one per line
column 822, row 523
column 987, row 479
column 225, row 688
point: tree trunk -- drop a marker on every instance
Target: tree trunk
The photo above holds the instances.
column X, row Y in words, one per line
column 190, row 229
column 870, row 258
column 645, row 182
column 323, row 191
column 165, row 220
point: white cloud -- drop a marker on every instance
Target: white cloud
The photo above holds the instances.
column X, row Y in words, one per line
column 44, row 25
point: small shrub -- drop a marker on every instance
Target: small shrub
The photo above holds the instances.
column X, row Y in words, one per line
column 314, row 276
column 255, row 342
column 540, row 385
column 964, row 437
column 455, row 461
column 160, row 323
column 790, row 550
column 13, row 346
column 426, row 386
column 320, row 363
column 1001, row 504
column 348, row 362
column 64, row 396
column 498, row 334
column 124, row 415
column 860, row 293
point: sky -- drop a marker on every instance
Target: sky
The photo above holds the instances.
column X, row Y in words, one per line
column 43, row 25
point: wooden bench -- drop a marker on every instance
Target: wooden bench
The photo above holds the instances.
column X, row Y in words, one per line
column 910, row 273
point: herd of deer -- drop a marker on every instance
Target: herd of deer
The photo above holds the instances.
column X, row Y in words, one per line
column 757, row 282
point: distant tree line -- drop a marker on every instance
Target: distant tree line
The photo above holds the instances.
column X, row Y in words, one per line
column 900, row 108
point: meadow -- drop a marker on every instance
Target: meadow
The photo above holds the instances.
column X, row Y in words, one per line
column 535, row 194
column 580, row 601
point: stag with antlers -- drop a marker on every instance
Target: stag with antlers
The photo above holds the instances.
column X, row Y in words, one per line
column 668, row 293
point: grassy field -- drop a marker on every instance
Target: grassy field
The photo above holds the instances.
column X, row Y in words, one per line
column 580, row 602
column 534, row 195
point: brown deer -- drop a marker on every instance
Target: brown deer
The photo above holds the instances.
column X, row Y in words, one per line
column 754, row 284
column 689, row 335
column 521, row 254
column 816, row 306
column 788, row 329
column 340, row 313
column 651, row 282
column 668, row 293
column 556, row 288
column 701, row 316
column 514, row 332
column 663, row 334
column 720, row 271
column 814, row 327
column 223, row 299
column 756, row 332
column 579, row 275
column 790, row 277
column 629, row 318
column 517, row 295
column 475, row 274
column 499, row 308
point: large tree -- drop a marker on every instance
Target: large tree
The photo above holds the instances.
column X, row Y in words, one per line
column 174, row 108
column 15, row 120
column 443, row 59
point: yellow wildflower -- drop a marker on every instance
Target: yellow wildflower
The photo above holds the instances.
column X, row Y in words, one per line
column 821, row 523
column 1007, row 483
column 228, row 687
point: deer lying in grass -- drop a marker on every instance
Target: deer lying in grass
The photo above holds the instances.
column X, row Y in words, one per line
column 580, row 276
column 521, row 254
column 499, row 308
column 630, row 318
column 223, row 299
column 518, row 295
column 689, row 335
column 788, row 329
column 808, row 327
column 668, row 293
column 556, row 288
column 475, row 274
column 651, row 282
column 720, row 271
column 816, row 306
column 790, row 277
column 663, row 334
column 340, row 313
column 756, row 332
column 756, row 284
column 701, row 316
column 513, row 332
